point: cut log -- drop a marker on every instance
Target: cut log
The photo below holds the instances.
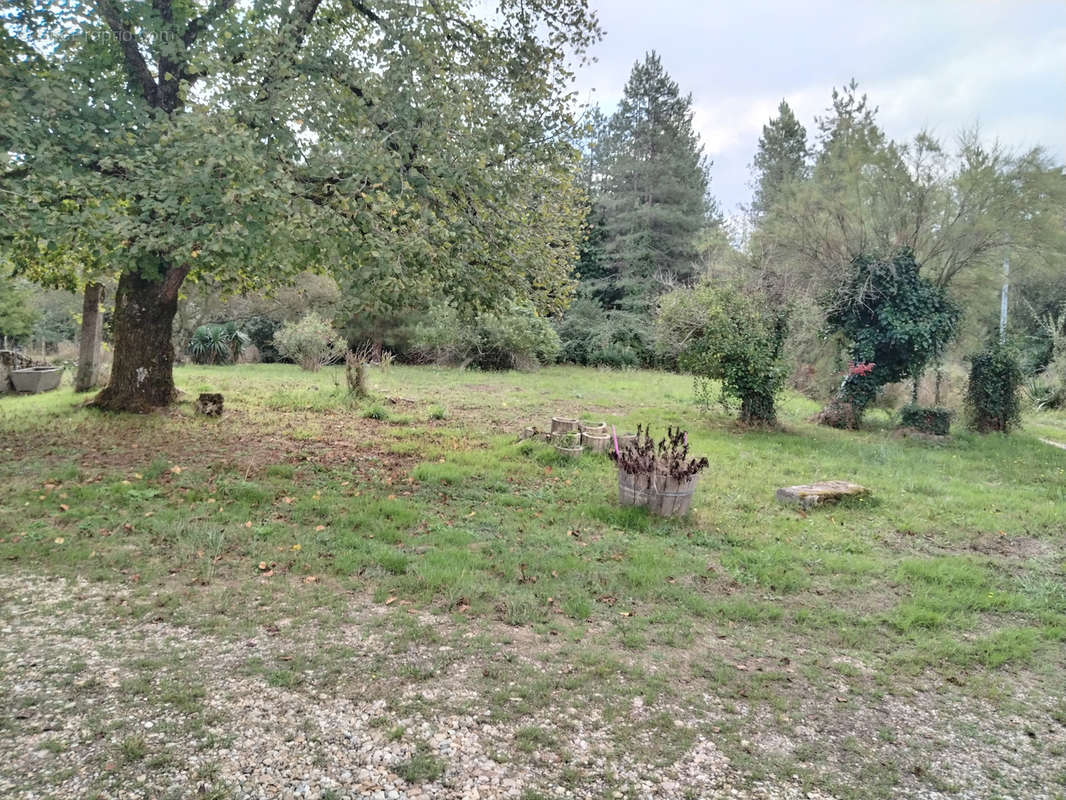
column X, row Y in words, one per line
column 816, row 494
column 209, row 404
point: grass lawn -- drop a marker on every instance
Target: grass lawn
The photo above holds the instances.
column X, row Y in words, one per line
column 408, row 555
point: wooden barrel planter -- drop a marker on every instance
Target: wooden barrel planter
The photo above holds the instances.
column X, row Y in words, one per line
column 592, row 427
column 626, row 439
column 668, row 497
column 596, row 441
column 562, row 425
column 662, row 494
column 632, row 489
column 568, row 445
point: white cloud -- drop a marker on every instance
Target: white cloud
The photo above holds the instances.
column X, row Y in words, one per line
column 943, row 66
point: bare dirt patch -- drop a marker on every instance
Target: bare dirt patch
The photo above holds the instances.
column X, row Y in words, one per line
column 244, row 440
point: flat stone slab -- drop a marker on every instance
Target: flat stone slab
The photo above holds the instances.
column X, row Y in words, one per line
column 816, row 494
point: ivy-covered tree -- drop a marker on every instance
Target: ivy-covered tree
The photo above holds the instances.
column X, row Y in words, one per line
column 992, row 392
column 405, row 143
column 655, row 190
column 894, row 322
column 781, row 158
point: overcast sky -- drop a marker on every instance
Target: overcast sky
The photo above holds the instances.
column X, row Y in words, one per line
column 936, row 64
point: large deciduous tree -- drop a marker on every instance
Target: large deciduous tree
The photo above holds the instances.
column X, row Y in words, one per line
column 402, row 144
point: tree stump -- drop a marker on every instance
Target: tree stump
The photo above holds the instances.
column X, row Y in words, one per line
column 355, row 371
column 816, row 494
column 209, row 404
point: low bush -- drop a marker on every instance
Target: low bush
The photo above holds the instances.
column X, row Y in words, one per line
column 218, row 344
column 515, row 337
column 935, row 421
column 311, row 342
column 592, row 335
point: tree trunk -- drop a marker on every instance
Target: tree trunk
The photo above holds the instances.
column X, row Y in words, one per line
column 89, row 347
column 757, row 409
column 142, row 374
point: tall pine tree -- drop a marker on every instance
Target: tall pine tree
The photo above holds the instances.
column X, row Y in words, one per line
column 781, row 158
column 654, row 194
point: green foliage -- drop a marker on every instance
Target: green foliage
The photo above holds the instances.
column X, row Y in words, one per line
column 992, row 394
column 58, row 312
column 260, row 331
column 729, row 335
column 218, row 344
column 647, row 178
column 781, row 158
column 517, row 338
column 17, row 315
column 1048, row 388
column 376, row 412
column 310, row 342
column 936, row 421
column 960, row 210
column 654, row 186
column 595, row 336
column 894, row 321
column 259, row 313
column 404, row 147
column 421, row 767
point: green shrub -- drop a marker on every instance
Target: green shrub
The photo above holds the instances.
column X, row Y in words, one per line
column 1048, row 388
column 376, row 411
column 311, row 342
column 218, row 344
column 261, row 330
column 725, row 334
column 936, row 421
column 513, row 338
column 595, row 336
column 992, row 393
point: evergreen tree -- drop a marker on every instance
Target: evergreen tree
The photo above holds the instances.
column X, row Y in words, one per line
column 654, row 191
column 781, row 158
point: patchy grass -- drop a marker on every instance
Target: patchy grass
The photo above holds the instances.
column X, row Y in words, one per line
column 298, row 500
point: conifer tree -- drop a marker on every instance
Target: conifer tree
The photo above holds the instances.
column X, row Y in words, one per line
column 655, row 190
column 781, row 158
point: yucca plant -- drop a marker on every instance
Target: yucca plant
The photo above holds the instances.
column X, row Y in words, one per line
column 218, row 344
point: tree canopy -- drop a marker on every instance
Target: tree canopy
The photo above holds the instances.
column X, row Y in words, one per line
column 406, row 144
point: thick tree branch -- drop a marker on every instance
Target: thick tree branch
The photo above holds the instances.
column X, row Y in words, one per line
column 172, row 282
column 364, row 10
column 140, row 76
column 205, row 20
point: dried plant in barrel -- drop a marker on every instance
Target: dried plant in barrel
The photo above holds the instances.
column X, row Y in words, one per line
column 660, row 475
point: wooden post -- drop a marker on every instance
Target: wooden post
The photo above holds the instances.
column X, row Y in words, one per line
column 91, row 333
